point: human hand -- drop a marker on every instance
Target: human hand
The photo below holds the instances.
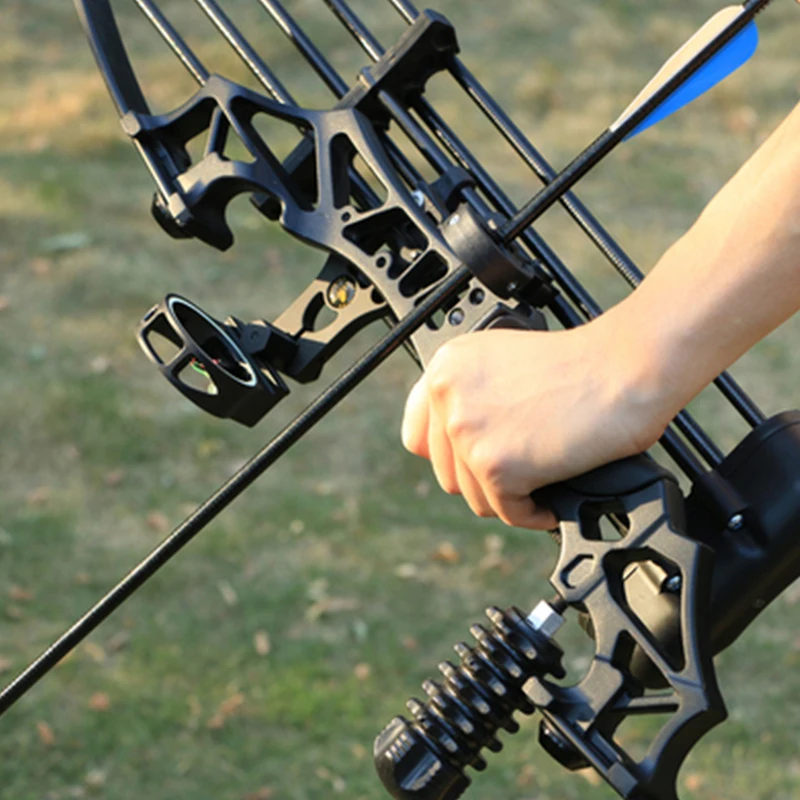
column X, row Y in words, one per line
column 501, row 413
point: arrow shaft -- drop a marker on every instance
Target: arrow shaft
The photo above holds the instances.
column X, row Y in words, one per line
column 607, row 141
column 230, row 490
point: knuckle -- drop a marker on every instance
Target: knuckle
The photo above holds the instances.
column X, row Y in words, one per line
column 458, row 422
column 489, row 466
column 440, row 373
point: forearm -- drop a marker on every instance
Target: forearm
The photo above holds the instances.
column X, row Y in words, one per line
column 733, row 278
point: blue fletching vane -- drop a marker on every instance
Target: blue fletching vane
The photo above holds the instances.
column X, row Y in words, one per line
column 734, row 55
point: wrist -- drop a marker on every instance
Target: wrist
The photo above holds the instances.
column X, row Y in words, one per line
column 642, row 361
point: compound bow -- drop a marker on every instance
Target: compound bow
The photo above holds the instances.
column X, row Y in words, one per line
column 681, row 577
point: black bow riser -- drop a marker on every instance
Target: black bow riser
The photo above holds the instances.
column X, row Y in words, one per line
column 433, row 259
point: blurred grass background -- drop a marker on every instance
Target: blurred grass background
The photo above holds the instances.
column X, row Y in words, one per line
column 261, row 663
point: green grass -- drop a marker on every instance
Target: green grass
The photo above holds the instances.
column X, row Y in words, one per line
column 99, row 457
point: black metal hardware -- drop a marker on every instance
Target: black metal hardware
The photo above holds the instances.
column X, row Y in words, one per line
column 232, row 384
column 433, row 259
column 610, row 580
column 426, row 758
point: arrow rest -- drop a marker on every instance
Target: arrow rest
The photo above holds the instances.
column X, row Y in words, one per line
column 432, row 259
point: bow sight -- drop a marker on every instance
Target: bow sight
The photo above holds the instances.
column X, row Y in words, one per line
column 674, row 582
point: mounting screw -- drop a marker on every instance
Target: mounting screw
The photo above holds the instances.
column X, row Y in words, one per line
column 418, row 197
column 672, row 584
column 545, row 619
column 736, row 522
column 511, row 287
column 454, row 220
column 456, row 317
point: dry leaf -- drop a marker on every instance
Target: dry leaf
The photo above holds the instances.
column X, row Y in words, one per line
column 39, row 496
column 331, row 605
column 337, row 783
column 318, row 589
column 63, row 242
column 20, row 594
column 297, row 526
column 95, row 652
column 494, row 544
column 446, row 553
column 742, row 120
column 82, row 579
column 227, row 708
column 14, row 612
column 114, row 478
column 231, row 704
column 359, row 752
column 228, row 593
column 422, row 489
column 5, row 664
column 410, row 643
column 99, row 701
column 494, row 558
column 208, row 447
column 99, row 365
column 216, row 722
column 360, row 630
column 157, row 521
column 526, row 776
column 362, row 671
column 694, row 781
column 46, row 735
column 41, row 267
column 407, row 571
column 118, row 641
column 262, row 794
column 95, row 778
column 262, row 643
column 324, row 488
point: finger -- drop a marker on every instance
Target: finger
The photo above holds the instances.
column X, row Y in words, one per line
column 542, row 519
column 441, row 455
column 472, row 491
column 522, row 512
column 414, row 430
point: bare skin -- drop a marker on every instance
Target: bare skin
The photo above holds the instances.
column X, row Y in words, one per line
column 502, row 413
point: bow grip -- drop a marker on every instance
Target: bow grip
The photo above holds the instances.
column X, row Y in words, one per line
column 602, row 485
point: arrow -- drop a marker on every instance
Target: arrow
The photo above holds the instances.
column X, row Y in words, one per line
column 719, row 48
column 737, row 52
